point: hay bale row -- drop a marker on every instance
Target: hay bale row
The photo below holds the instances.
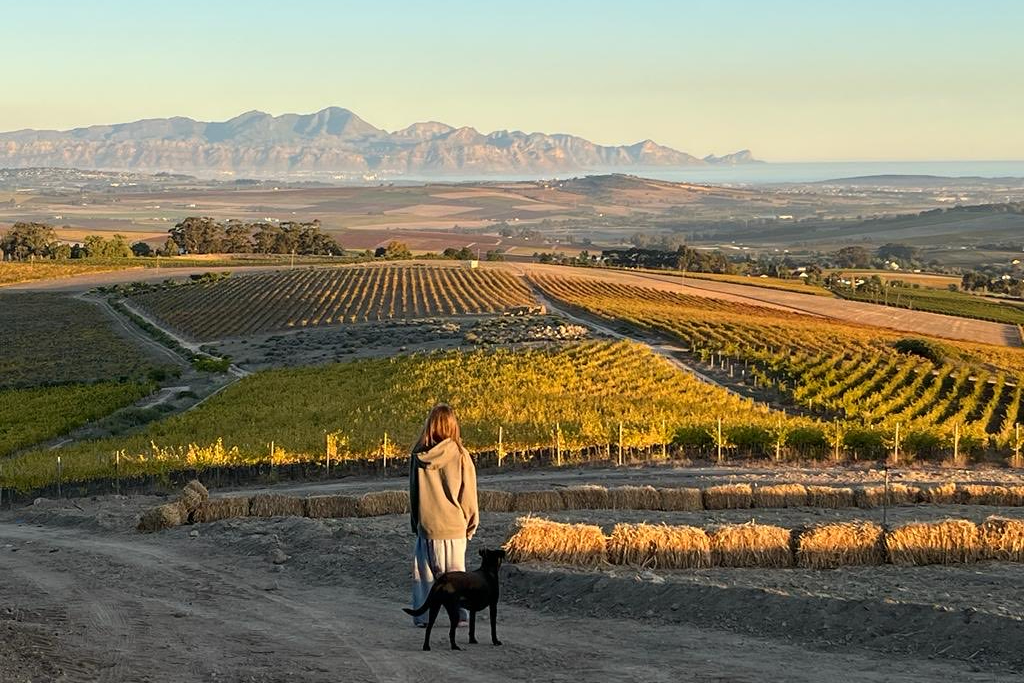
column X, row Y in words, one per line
column 1002, row 539
column 537, row 501
column 635, row 498
column 193, row 495
column 952, row 541
column 226, row 507
column 659, row 546
column 586, row 497
column 681, row 499
column 983, row 494
column 780, row 496
column 163, row 517
column 834, row 497
column 328, row 507
column 941, row 494
column 898, row 494
column 384, row 503
column 276, row 505
column 547, row 541
column 751, row 545
column 495, row 501
column 827, row 546
column 728, row 497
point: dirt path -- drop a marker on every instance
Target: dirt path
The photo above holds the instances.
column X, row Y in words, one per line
column 109, row 605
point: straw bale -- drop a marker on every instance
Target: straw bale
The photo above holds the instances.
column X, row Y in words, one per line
column 899, row 494
column 681, row 499
column 941, row 494
column 193, row 495
column 276, row 505
column 984, row 494
column 495, row 501
column 537, row 501
column 826, row 546
column 949, row 542
column 830, row 497
column 659, row 546
column 728, row 496
column 542, row 540
column 780, row 496
column 163, row 517
column 586, row 497
column 751, row 545
column 635, row 498
column 1002, row 539
column 321, row 507
column 222, row 508
column 384, row 503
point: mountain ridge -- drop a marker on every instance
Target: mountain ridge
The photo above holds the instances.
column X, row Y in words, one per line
column 332, row 140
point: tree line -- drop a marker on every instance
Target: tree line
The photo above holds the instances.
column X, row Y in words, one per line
column 195, row 235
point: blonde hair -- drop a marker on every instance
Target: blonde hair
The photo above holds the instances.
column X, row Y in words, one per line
column 441, row 424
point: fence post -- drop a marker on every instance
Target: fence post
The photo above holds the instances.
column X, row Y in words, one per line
column 117, row 472
column 956, row 443
column 558, row 444
column 60, row 473
column 718, row 441
column 1016, row 445
column 620, row 444
column 385, row 450
column 501, row 444
column 896, row 446
column 885, row 500
column 664, row 440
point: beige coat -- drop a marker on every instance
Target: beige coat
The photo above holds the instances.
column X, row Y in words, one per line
column 442, row 492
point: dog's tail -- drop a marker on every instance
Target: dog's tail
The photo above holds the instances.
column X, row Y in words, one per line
column 418, row 611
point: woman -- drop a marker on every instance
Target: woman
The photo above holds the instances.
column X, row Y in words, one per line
column 442, row 503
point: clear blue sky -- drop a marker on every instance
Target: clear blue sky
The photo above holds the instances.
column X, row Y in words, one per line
column 792, row 80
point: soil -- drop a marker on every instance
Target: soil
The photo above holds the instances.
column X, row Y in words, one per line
column 84, row 597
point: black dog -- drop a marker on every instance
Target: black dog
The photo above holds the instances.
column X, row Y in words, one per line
column 470, row 590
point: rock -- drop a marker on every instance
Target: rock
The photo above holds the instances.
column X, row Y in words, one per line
column 278, row 556
column 194, row 533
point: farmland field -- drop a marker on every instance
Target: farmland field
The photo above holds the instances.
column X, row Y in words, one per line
column 314, row 297
column 834, row 370
column 12, row 272
column 585, row 391
column 51, row 338
column 942, row 301
column 30, row 416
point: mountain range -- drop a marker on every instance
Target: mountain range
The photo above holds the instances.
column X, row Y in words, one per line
column 330, row 141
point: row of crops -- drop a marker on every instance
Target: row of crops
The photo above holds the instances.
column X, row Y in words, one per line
column 940, row 301
column 571, row 396
column 834, row 370
column 305, row 298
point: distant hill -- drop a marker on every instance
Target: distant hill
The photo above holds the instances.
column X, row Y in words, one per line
column 333, row 140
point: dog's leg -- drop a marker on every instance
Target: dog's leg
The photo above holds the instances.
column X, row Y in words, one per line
column 472, row 627
column 453, row 616
column 434, row 609
column 494, row 623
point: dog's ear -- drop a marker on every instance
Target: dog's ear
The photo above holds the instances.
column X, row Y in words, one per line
column 482, row 552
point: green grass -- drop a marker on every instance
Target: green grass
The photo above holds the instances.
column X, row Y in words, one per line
column 942, row 301
column 30, row 416
column 57, row 339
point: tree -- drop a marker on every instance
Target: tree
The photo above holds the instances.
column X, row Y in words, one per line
column 142, row 249
column 198, row 235
column 852, row 257
column 899, row 252
column 394, row 250
column 28, row 240
column 237, row 238
column 95, row 246
column 60, row 251
column 117, row 247
column 170, row 248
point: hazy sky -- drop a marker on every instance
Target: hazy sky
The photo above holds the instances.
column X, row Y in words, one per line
column 792, row 80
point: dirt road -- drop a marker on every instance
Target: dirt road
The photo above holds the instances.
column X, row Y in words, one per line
column 86, row 599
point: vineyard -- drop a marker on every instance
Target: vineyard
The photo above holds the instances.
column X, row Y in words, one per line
column 292, row 299
column 51, row 338
column 969, row 399
column 940, row 301
column 31, row 416
column 569, row 398
column 18, row 271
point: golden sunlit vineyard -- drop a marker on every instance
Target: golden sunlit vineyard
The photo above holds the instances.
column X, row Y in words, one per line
column 291, row 299
column 30, row 416
column 970, row 394
column 569, row 397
